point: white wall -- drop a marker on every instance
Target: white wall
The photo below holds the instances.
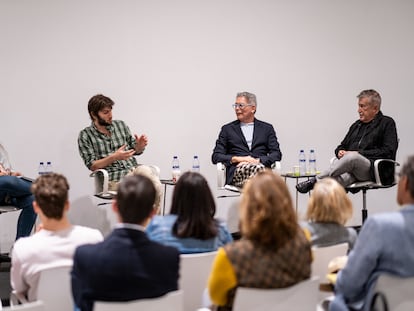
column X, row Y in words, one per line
column 173, row 68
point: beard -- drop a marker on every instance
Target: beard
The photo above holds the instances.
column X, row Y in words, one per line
column 102, row 122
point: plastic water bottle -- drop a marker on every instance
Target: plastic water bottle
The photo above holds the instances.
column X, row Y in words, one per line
column 196, row 164
column 176, row 171
column 302, row 162
column 49, row 168
column 41, row 170
column 312, row 162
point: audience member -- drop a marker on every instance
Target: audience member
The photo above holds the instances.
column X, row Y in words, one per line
column 372, row 137
column 384, row 245
column 54, row 244
column 246, row 145
column 108, row 143
column 190, row 226
column 126, row 265
column 273, row 251
column 15, row 191
column 329, row 208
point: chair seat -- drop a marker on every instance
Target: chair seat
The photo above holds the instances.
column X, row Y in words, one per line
column 368, row 185
column 8, row 208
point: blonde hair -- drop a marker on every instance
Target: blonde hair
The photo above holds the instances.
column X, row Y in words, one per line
column 267, row 216
column 151, row 173
column 329, row 203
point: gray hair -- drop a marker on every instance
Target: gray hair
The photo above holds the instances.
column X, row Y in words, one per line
column 408, row 170
column 251, row 98
column 374, row 97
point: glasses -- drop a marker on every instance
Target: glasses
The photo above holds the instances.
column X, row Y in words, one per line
column 240, row 106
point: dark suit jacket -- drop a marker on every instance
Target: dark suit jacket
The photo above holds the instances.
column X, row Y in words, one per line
column 231, row 142
column 125, row 266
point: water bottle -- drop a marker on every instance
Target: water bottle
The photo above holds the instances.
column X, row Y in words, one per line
column 41, row 170
column 312, row 162
column 176, row 172
column 302, row 162
column 196, row 164
column 49, row 168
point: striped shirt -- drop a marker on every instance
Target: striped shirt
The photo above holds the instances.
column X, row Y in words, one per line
column 94, row 145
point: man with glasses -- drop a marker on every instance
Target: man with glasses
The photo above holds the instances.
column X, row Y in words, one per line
column 246, row 145
column 384, row 245
column 373, row 136
column 108, row 143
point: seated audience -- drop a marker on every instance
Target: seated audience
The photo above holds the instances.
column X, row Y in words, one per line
column 190, row 226
column 55, row 243
column 384, row 245
column 246, row 145
column 329, row 208
column 126, row 265
column 273, row 251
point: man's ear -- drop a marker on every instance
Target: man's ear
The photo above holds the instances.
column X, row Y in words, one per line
column 36, row 207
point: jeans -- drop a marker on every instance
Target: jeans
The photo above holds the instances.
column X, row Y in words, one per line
column 16, row 192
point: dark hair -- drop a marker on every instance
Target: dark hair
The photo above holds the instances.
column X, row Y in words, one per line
column 51, row 194
column 97, row 103
column 135, row 198
column 408, row 170
column 194, row 205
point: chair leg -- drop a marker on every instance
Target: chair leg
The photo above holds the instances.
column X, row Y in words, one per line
column 364, row 205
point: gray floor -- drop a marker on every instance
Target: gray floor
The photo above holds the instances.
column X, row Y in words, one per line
column 5, row 288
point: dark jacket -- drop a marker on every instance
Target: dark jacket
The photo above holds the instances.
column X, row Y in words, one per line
column 125, row 266
column 379, row 141
column 231, row 142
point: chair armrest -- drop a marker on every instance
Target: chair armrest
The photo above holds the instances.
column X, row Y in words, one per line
column 277, row 166
column 221, row 175
column 17, row 298
column 101, row 177
column 384, row 171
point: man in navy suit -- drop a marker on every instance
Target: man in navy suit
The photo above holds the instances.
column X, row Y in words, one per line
column 246, row 145
column 126, row 265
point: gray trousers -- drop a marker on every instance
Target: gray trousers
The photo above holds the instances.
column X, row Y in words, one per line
column 352, row 167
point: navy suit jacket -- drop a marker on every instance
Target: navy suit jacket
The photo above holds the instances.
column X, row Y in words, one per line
column 125, row 266
column 231, row 142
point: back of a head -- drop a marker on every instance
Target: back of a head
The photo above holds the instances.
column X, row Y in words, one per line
column 51, row 194
column 194, row 205
column 407, row 170
column 329, row 203
column 97, row 103
column 266, row 211
column 135, row 199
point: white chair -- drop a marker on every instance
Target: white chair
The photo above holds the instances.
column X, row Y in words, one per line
column 299, row 297
column 4, row 210
column 194, row 272
column 398, row 292
column 101, row 179
column 172, row 301
column 30, row 306
column 54, row 289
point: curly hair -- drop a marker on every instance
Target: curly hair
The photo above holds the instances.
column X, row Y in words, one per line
column 267, row 216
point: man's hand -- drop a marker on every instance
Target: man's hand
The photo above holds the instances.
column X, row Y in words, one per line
column 140, row 142
column 122, row 154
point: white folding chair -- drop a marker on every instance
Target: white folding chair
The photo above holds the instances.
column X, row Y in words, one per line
column 299, row 297
column 172, row 301
column 194, row 272
column 323, row 255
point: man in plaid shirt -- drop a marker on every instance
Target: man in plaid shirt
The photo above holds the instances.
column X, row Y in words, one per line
column 108, row 143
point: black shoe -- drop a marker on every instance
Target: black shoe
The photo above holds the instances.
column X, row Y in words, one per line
column 306, row 186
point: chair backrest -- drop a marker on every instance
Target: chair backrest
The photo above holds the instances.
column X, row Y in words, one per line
column 172, row 301
column 398, row 292
column 323, row 255
column 299, row 297
column 30, row 306
column 194, row 272
column 54, row 289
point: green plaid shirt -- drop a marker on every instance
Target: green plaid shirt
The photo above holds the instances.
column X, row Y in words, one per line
column 93, row 145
